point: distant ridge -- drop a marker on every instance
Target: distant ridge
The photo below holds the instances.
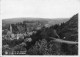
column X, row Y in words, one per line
column 50, row 21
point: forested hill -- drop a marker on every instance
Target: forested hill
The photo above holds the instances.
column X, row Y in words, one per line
column 70, row 29
column 66, row 31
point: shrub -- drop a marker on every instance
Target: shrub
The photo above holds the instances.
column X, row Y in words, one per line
column 42, row 47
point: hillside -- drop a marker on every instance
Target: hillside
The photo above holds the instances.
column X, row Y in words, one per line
column 70, row 30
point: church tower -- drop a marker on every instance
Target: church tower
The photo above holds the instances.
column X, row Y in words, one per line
column 10, row 28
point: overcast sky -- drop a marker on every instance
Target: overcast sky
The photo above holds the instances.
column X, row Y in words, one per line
column 39, row 8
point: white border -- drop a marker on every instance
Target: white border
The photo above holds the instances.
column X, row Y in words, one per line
column 35, row 55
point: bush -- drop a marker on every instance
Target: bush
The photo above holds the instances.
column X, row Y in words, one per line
column 42, row 47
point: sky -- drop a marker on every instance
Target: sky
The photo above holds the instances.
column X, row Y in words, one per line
column 39, row 8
